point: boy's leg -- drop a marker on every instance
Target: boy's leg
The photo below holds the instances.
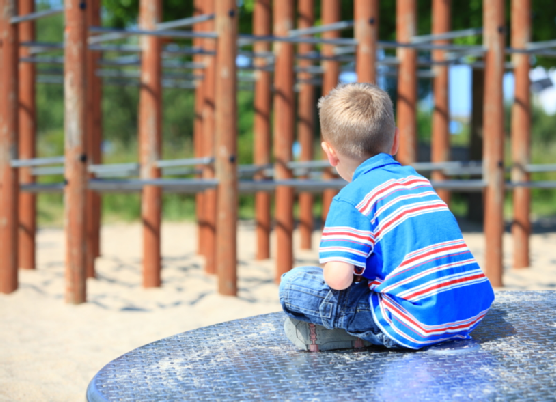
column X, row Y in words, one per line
column 312, row 309
column 357, row 319
column 305, row 296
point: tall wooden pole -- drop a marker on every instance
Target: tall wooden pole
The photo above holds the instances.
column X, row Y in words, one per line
column 262, row 26
column 366, row 33
column 284, row 117
column 521, row 132
column 94, row 127
column 198, row 123
column 209, row 209
column 494, row 32
column 407, row 81
column 226, row 144
column 9, row 186
column 27, row 142
column 330, row 11
column 306, row 122
column 97, row 137
column 441, row 15
column 75, row 122
column 150, row 126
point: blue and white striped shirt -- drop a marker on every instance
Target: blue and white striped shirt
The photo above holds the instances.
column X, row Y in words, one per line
column 426, row 286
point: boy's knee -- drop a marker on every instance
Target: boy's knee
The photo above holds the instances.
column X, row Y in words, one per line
column 295, row 274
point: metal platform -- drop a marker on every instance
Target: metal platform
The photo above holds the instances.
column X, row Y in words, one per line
column 512, row 357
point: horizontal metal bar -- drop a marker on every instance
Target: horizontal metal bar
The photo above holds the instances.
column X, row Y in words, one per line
column 542, row 45
column 183, row 186
column 42, row 188
column 252, row 169
column 185, row 22
column 305, row 185
column 185, row 162
column 43, row 59
column 540, row 168
column 165, row 33
column 309, row 164
column 36, row 16
column 430, row 166
column 322, row 28
column 168, row 51
column 39, row 47
column 137, row 74
column 247, row 39
column 114, row 167
column 531, row 184
column 318, row 56
column 459, row 185
column 115, row 48
column 447, row 35
column 37, row 161
column 166, row 83
column 310, row 69
column 426, row 46
column 420, row 74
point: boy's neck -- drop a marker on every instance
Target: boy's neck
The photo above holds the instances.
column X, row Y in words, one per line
column 347, row 167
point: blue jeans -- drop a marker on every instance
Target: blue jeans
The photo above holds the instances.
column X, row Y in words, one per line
column 305, row 295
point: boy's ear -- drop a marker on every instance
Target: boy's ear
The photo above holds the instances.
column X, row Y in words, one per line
column 330, row 153
column 396, row 143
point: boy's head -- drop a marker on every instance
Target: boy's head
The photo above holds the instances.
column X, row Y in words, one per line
column 357, row 120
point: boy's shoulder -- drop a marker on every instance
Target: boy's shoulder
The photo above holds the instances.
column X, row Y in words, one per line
column 376, row 180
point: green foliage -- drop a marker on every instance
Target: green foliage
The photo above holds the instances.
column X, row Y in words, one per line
column 120, row 104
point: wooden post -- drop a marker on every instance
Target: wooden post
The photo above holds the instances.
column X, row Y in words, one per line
column 284, row 115
column 150, row 119
column 407, row 81
column 27, row 142
column 330, row 13
column 209, row 209
column 226, row 144
column 366, row 33
column 9, row 186
column 494, row 31
column 94, row 135
column 75, row 122
column 440, row 144
column 198, row 123
column 306, row 123
column 262, row 26
column 97, row 136
column 521, row 131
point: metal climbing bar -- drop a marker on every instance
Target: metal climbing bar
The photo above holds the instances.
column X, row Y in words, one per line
column 447, row 35
column 37, row 161
column 322, row 28
column 37, row 15
column 162, row 33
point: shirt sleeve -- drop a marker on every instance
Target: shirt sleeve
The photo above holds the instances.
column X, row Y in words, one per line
column 347, row 236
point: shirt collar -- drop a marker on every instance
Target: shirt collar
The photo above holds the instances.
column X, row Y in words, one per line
column 373, row 163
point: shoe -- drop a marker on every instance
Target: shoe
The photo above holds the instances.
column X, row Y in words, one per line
column 315, row 338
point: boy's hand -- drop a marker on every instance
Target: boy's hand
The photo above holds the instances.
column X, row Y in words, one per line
column 338, row 274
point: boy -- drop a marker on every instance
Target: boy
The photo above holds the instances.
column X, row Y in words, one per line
column 397, row 271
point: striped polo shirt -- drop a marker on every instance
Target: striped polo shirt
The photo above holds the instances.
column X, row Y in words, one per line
column 426, row 286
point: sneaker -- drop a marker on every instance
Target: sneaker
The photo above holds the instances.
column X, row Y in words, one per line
column 315, row 338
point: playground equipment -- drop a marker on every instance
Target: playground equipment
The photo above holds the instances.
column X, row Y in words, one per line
column 214, row 81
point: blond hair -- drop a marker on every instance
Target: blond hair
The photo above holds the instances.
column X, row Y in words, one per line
column 357, row 120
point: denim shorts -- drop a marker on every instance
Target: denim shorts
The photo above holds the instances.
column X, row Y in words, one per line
column 305, row 295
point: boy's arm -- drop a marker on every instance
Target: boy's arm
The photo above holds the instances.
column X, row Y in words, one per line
column 338, row 274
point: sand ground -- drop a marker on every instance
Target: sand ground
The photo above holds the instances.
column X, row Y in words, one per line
column 49, row 350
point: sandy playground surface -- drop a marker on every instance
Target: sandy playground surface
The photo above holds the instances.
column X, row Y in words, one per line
column 49, row 350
